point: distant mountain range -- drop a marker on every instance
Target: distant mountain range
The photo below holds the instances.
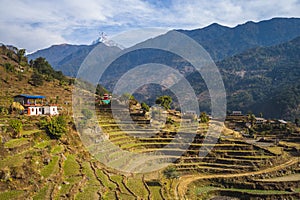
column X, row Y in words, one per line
column 220, row 42
column 259, row 63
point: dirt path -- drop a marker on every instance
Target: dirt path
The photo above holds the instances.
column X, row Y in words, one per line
column 183, row 182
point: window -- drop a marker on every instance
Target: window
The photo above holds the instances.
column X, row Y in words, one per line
column 53, row 109
column 40, row 109
column 32, row 109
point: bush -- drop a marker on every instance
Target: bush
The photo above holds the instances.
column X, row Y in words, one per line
column 37, row 79
column 3, row 111
column 164, row 101
column 55, row 126
column 145, row 107
column 16, row 125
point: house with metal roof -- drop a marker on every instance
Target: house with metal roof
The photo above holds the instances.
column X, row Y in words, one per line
column 34, row 105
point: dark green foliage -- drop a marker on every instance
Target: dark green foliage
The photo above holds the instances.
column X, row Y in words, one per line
column 16, row 125
column 204, row 117
column 55, row 126
column 3, row 110
column 261, row 80
column 21, row 56
column 9, row 67
column 169, row 121
column 170, row 173
column 42, row 66
column 164, row 101
column 36, row 79
column 145, row 107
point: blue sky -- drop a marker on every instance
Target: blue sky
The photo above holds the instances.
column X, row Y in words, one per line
column 33, row 24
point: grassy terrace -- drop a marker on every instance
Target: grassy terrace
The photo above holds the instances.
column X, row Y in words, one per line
column 206, row 189
column 16, row 143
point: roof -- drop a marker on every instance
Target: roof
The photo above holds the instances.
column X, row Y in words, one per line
column 260, row 119
column 30, row 96
column 282, row 121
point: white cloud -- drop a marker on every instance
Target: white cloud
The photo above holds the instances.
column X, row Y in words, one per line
column 37, row 24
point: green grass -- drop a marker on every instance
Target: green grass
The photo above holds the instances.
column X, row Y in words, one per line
column 205, row 189
column 118, row 179
column 88, row 193
column 16, row 142
column 42, row 193
column 126, row 196
column 12, row 194
column 51, row 168
column 105, row 181
column 71, row 167
column 109, row 195
column 155, row 192
column 87, row 170
column 12, row 161
column 56, row 149
column 43, row 144
column 30, row 132
column 72, row 181
column 137, row 186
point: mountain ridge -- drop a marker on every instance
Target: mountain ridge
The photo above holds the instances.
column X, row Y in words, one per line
column 220, row 42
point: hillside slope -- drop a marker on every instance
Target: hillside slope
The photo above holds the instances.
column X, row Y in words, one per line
column 261, row 80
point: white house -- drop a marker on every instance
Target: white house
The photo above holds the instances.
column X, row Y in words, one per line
column 34, row 105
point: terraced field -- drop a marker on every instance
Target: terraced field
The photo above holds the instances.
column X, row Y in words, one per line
column 228, row 155
column 64, row 169
column 38, row 167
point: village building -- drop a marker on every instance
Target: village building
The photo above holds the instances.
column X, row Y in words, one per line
column 236, row 113
column 34, row 105
column 260, row 120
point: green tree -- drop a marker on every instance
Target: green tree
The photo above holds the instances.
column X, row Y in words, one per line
column 42, row 66
column 55, row 126
column 145, row 107
column 21, row 55
column 36, row 79
column 17, row 126
column 171, row 173
column 204, row 117
column 164, row 101
column 251, row 118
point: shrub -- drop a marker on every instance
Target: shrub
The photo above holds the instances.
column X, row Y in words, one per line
column 16, row 125
column 37, row 79
column 55, row 126
column 145, row 107
column 164, row 101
